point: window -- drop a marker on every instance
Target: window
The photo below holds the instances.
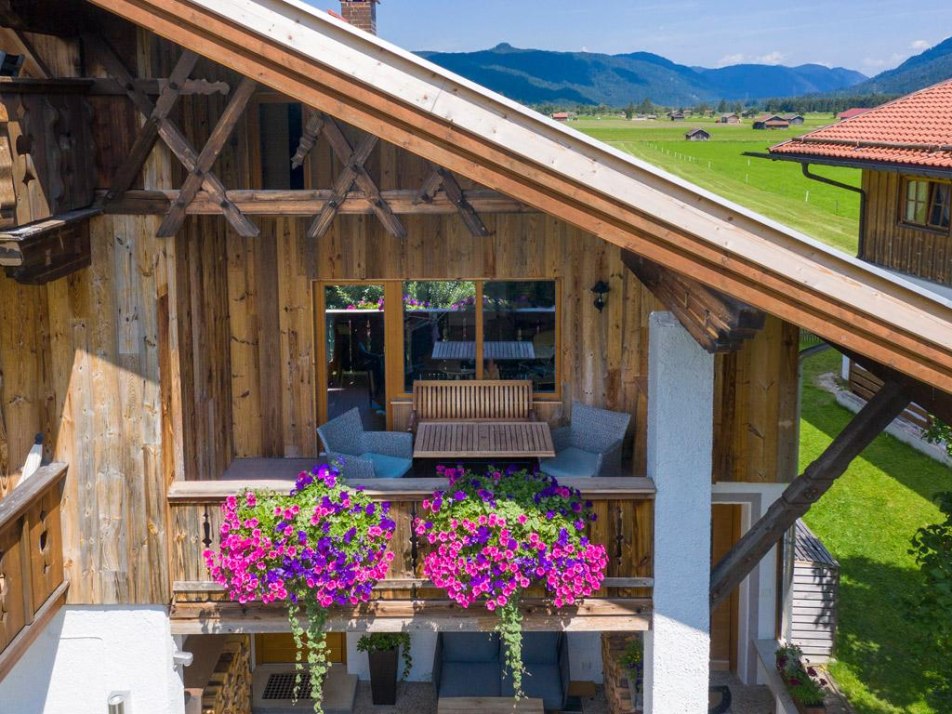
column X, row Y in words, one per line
column 511, row 336
column 927, row 203
column 280, row 130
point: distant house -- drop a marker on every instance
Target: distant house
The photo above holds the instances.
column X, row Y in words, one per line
column 729, row 119
column 697, row 135
column 561, row 116
column 676, row 116
column 771, row 121
column 853, row 112
column 793, row 119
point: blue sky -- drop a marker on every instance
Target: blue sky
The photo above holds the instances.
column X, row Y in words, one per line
column 866, row 35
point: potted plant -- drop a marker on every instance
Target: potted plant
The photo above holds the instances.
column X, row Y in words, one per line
column 382, row 649
column 632, row 660
column 493, row 536
column 802, row 681
column 322, row 545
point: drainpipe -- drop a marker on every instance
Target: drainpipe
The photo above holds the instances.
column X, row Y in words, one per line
column 805, row 168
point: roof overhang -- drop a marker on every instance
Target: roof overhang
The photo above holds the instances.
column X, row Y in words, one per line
column 318, row 60
column 857, row 164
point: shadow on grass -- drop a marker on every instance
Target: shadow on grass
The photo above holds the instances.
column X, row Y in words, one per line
column 913, row 470
column 896, row 658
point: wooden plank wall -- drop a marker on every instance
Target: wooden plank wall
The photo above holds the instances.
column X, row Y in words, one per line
column 80, row 358
column 917, row 251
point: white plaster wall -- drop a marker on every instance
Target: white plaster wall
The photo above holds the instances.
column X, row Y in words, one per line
column 87, row 653
column 680, row 412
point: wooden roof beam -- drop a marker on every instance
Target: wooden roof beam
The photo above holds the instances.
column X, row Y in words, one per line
column 718, row 322
column 806, row 489
column 440, row 177
column 256, row 202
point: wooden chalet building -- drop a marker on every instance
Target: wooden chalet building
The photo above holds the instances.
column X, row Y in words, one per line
column 904, row 149
column 770, row 121
column 697, row 135
column 186, row 187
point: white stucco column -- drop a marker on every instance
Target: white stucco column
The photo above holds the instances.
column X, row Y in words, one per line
column 680, row 411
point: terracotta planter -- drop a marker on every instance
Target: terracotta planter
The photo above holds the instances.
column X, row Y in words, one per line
column 383, row 676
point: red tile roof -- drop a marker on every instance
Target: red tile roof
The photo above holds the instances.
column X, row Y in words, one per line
column 853, row 112
column 914, row 130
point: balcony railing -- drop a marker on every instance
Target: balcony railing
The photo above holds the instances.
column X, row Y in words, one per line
column 624, row 525
column 32, row 584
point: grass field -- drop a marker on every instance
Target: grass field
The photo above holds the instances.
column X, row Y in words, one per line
column 776, row 189
column 887, row 663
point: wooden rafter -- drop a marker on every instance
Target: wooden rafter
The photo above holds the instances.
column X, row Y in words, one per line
column 216, row 142
column 107, row 86
column 718, row 322
column 173, row 137
column 345, row 180
column 440, row 177
column 816, row 480
column 33, row 64
column 310, row 133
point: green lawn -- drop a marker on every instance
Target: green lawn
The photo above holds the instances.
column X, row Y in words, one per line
column 776, row 189
column 887, row 663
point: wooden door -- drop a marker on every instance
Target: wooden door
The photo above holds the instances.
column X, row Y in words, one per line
column 278, row 648
column 725, row 531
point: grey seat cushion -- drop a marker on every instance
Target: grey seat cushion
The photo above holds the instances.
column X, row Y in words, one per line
column 569, row 463
column 540, row 681
column 470, row 679
column 540, row 647
column 470, row 647
column 388, row 466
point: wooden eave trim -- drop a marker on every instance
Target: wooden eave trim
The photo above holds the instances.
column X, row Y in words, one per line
column 452, row 123
column 15, row 241
column 405, row 489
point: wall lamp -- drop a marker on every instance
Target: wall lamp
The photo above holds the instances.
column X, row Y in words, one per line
column 600, row 288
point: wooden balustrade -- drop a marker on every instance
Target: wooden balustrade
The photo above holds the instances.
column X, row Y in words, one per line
column 32, row 584
column 624, row 525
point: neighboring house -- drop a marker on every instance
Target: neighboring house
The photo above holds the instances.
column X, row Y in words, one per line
column 793, row 119
column 697, row 135
column 729, row 119
column 851, row 112
column 676, row 116
column 190, row 187
column 770, row 121
column 904, row 149
column 561, row 116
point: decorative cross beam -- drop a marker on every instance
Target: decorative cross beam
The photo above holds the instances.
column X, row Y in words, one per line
column 353, row 174
column 441, row 177
column 172, row 136
column 216, row 142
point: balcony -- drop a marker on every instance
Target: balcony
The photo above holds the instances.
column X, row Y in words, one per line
column 405, row 600
column 32, row 584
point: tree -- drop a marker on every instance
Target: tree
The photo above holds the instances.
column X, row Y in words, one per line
column 630, row 110
column 646, row 107
column 722, row 107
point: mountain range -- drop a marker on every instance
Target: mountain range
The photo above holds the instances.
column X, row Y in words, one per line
column 567, row 78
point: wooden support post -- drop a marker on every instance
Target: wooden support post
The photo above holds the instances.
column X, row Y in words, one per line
column 440, row 177
column 216, row 142
column 174, row 138
column 322, row 221
column 806, row 489
column 149, row 133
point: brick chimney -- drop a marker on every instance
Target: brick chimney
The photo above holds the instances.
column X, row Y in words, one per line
column 361, row 14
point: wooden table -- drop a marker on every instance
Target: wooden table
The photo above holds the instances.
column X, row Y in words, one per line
column 483, row 440
column 488, row 705
column 492, row 349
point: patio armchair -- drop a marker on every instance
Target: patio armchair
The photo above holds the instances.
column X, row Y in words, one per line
column 590, row 445
column 365, row 454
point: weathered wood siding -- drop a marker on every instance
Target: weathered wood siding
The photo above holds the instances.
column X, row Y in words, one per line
column 80, row 360
column 925, row 253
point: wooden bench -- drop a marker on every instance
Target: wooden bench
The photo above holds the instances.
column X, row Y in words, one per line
column 471, row 400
